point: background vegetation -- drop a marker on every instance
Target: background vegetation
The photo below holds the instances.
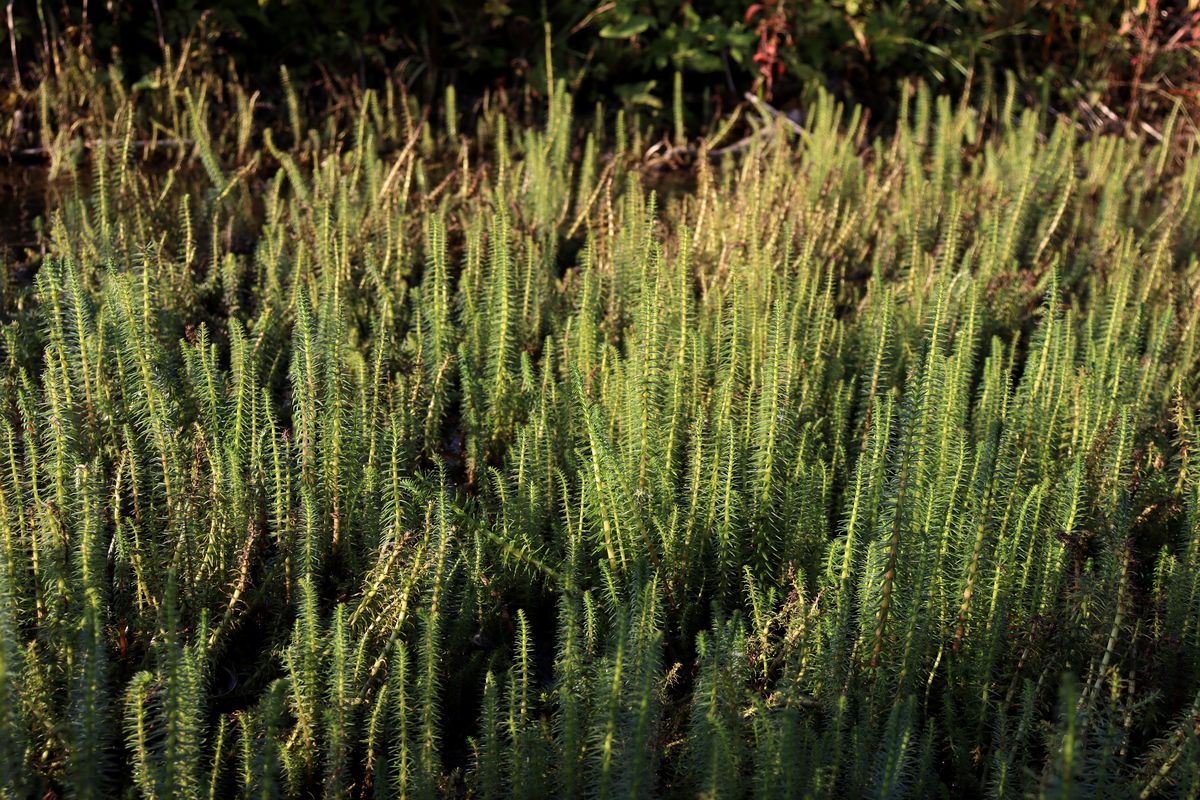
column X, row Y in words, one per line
column 1137, row 58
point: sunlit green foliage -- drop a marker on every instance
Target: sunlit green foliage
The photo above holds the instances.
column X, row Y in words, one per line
column 406, row 458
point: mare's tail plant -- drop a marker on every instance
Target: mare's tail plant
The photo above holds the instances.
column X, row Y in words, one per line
column 428, row 453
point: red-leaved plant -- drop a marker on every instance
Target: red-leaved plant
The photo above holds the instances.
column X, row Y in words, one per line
column 773, row 31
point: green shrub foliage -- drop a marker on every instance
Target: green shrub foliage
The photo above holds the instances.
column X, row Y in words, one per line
column 406, row 458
